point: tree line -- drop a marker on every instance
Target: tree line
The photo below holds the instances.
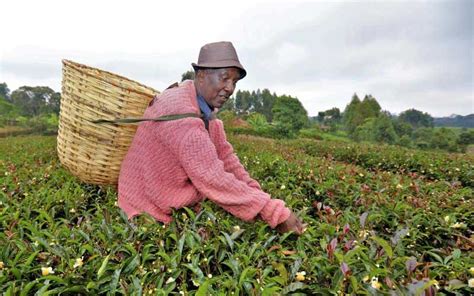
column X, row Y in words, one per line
column 269, row 114
column 364, row 120
column 36, row 107
column 361, row 120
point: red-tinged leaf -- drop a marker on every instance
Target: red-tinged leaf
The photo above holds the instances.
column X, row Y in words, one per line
column 346, row 271
column 346, row 229
column 333, row 244
column 273, row 248
column 348, row 245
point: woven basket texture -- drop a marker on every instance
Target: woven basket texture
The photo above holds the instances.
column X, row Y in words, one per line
column 94, row 152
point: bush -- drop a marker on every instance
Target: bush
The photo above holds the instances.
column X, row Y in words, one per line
column 258, row 122
column 405, row 141
column 311, row 133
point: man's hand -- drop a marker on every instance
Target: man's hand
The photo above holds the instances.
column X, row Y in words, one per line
column 293, row 223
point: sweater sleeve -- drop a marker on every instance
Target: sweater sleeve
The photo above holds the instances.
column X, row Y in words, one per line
column 198, row 156
column 231, row 161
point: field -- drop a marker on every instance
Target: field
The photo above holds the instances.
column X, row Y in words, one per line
column 6, row 131
column 381, row 221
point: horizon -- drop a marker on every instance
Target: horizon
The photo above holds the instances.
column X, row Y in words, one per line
column 452, row 115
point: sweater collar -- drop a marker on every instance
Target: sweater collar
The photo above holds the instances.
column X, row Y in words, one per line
column 206, row 109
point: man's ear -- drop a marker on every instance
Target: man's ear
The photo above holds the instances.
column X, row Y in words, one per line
column 200, row 76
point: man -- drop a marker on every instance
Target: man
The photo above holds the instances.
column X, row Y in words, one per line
column 177, row 163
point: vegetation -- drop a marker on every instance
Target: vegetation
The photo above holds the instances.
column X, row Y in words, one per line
column 369, row 231
column 455, row 121
column 33, row 109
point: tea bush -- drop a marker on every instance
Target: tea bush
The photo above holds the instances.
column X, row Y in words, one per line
column 370, row 231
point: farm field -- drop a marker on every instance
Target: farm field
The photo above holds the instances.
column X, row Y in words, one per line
column 381, row 221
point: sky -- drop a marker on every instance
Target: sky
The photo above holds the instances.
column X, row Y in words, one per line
column 406, row 54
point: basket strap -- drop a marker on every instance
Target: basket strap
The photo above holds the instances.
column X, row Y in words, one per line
column 161, row 118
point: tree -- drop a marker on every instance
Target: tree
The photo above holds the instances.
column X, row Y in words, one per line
column 290, row 113
column 187, row 75
column 383, row 130
column 268, row 100
column 402, row 128
column 423, row 137
column 369, row 107
column 357, row 112
column 242, row 102
column 365, row 131
column 4, row 92
column 445, row 139
column 405, row 141
column 33, row 101
column 416, row 118
column 352, row 117
column 329, row 117
column 466, row 138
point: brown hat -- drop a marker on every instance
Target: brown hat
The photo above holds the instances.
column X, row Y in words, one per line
column 219, row 55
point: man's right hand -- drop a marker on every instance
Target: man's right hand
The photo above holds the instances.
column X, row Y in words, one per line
column 293, row 223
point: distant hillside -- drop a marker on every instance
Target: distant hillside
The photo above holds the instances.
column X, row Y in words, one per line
column 455, row 121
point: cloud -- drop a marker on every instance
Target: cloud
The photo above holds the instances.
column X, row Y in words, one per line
column 415, row 54
column 412, row 53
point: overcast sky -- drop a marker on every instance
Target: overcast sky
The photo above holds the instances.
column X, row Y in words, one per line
column 407, row 54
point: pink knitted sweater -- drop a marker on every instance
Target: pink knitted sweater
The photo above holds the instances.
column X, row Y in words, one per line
column 175, row 164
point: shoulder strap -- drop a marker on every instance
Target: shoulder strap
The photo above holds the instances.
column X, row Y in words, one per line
column 135, row 120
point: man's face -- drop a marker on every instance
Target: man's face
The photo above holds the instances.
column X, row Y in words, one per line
column 217, row 85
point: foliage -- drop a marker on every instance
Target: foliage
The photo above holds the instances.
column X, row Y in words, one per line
column 227, row 117
column 423, row 137
column 357, row 112
column 289, row 114
column 405, row 141
column 445, row 139
column 466, row 137
column 369, row 231
column 402, row 128
column 330, row 116
column 4, row 92
column 351, row 117
column 8, row 112
column 255, row 101
column 416, row 118
column 364, row 132
column 455, row 121
column 258, row 121
column 187, row 75
column 383, row 130
column 456, row 168
column 34, row 101
column 311, row 133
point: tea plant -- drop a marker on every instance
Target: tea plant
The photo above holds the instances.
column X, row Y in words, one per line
column 370, row 231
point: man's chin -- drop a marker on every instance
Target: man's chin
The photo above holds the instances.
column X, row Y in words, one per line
column 219, row 105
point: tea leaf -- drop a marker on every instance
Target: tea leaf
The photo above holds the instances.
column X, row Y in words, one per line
column 385, row 245
column 103, row 266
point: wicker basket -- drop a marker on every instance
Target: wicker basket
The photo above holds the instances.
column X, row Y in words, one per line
column 94, row 152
